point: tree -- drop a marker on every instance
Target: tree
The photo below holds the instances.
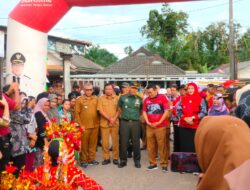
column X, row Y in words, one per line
column 215, row 40
column 128, row 50
column 101, row 56
column 200, row 50
column 166, row 25
column 243, row 49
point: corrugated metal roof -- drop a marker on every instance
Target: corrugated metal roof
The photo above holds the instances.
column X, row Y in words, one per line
column 143, row 62
column 79, row 64
column 224, row 68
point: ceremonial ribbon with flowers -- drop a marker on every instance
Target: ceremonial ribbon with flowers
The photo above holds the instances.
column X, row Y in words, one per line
column 70, row 133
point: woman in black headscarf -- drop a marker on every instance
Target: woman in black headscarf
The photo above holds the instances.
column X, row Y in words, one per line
column 243, row 108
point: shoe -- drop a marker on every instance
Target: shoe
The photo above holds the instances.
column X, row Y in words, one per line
column 164, row 169
column 122, row 164
column 129, row 154
column 138, row 165
column 84, row 164
column 105, row 162
column 196, row 173
column 115, row 162
column 152, row 167
column 94, row 162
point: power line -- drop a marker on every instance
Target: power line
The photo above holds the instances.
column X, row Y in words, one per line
column 138, row 20
column 136, row 35
column 127, row 42
column 100, row 25
column 210, row 7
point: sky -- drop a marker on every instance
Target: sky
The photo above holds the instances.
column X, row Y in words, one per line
column 116, row 27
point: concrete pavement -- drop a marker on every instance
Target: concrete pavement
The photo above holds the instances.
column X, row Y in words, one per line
column 130, row 178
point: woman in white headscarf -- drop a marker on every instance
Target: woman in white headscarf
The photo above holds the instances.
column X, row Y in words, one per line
column 42, row 119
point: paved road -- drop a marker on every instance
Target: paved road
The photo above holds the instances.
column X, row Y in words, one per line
column 131, row 178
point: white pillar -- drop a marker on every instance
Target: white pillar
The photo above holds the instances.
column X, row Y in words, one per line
column 66, row 73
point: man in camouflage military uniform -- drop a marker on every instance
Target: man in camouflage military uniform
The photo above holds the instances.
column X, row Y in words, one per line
column 130, row 107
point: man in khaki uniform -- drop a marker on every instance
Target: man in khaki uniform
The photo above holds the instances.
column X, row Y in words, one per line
column 86, row 115
column 109, row 123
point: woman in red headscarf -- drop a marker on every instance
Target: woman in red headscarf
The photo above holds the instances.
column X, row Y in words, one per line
column 191, row 109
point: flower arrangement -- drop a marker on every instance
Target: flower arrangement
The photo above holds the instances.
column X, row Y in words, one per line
column 7, row 177
column 9, row 180
column 69, row 134
column 70, row 131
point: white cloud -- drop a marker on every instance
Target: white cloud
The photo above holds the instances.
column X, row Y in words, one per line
column 196, row 25
column 116, row 37
column 58, row 34
column 117, row 49
column 81, row 18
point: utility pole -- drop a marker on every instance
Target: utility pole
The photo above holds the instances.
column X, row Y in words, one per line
column 147, row 76
column 233, row 63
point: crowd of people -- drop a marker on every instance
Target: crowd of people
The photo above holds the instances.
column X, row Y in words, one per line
column 124, row 120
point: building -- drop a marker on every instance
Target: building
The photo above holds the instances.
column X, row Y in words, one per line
column 144, row 67
column 78, row 65
column 243, row 70
column 57, row 46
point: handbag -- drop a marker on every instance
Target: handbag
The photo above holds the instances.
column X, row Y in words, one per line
column 184, row 162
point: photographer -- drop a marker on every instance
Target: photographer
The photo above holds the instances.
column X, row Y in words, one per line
column 4, row 122
column 7, row 103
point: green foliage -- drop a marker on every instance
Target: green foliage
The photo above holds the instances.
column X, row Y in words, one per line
column 166, row 25
column 200, row 50
column 243, row 48
column 128, row 50
column 101, row 56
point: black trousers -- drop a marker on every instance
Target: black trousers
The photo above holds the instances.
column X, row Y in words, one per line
column 5, row 148
column 176, row 139
column 130, row 129
column 186, row 137
column 130, row 145
column 19, row 162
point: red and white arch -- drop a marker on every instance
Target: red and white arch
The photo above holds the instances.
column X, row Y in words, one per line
column 29, row 24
